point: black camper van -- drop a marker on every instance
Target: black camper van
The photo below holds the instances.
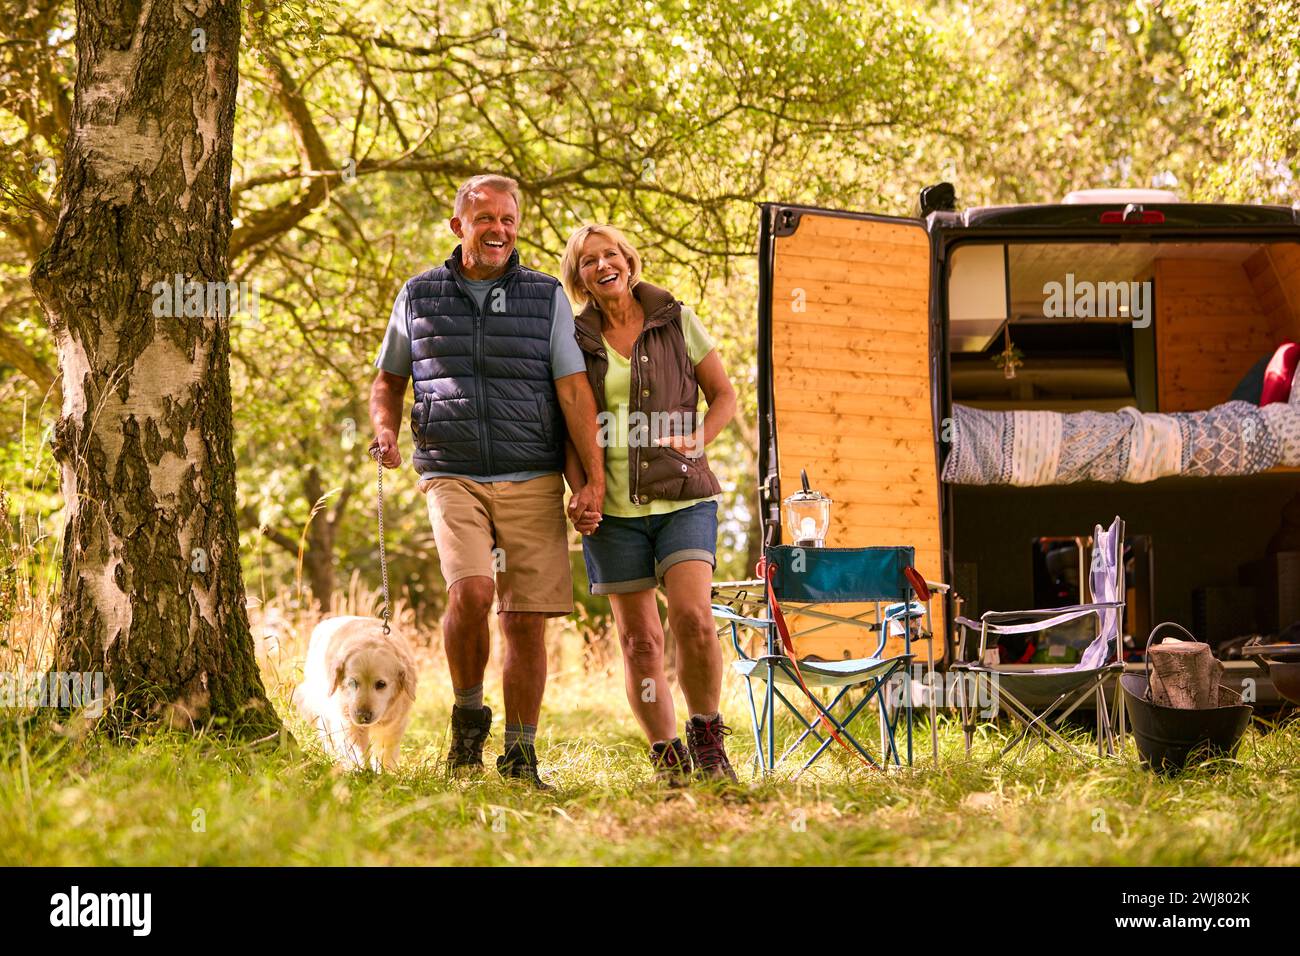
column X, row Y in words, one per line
column 987, row 385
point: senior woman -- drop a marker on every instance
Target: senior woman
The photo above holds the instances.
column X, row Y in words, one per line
column 648, row 358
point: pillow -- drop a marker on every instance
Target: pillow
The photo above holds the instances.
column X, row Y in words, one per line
column 1278, row 375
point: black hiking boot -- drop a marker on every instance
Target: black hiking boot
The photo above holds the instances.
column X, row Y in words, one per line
column 520, row 763
column 671, row 762
column 708, row 751
column 469, row 731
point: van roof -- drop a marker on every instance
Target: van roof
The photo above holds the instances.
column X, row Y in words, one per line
column 1085, row 197
column 1088, row 215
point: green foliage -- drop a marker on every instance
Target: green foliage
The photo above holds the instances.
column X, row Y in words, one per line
column 671, row 118
column 36, row 72
column 1071, row 96
column 1243, row 66
column 670, row 123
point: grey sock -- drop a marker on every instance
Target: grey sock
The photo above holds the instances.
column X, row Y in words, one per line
column 471, row 698
column 705, row 718
column 520, row 734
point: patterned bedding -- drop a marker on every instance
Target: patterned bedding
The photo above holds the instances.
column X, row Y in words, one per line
column 1049, row 448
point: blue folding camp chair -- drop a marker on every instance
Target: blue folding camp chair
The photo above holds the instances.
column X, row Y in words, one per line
column 809, row 582
column 1040, row 698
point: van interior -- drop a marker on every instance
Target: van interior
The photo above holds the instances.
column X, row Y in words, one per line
column 1219, row 555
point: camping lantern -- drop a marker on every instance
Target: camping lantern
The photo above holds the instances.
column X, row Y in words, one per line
column 808, row 514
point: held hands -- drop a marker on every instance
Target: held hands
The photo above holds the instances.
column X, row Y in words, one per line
column 584, row 508
column 385, row 444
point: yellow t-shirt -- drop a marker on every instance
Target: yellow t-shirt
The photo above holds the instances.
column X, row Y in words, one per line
column 618, row 391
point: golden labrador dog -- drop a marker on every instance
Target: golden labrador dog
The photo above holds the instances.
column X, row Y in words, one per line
column 358, row 687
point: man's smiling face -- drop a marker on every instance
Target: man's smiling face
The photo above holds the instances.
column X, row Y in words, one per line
column 487, row 228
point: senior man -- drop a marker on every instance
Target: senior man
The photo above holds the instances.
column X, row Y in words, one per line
column 498, row 377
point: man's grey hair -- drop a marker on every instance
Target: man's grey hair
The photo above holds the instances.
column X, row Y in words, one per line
column 475, row 184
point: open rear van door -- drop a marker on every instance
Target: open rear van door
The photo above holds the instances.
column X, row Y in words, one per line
column 847, row 375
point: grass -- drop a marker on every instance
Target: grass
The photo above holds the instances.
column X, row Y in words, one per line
column 173, row 799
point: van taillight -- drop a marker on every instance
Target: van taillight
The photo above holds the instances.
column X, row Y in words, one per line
column 1132, row 217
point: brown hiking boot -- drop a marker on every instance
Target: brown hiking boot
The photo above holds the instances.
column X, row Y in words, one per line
column 671, row 762
column 708, row 751
column 520, row 763
column 469, row 731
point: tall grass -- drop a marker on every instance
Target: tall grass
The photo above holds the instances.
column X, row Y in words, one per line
column 69, row 798
column 29, row 607
column 72, row 797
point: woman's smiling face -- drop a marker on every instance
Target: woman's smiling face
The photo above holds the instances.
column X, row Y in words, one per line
column 604, row 269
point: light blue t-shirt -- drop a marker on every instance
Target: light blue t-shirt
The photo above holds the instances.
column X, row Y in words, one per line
column 566, row 357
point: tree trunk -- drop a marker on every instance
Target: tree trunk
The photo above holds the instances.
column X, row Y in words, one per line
column 322, row 531
column 152, row 595
column 319, row 561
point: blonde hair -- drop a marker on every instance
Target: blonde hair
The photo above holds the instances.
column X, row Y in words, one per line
column 501, row 184
column 570, row 273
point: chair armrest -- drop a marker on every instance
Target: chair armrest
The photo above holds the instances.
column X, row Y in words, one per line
column 738, row 585
column 726, row 614
column 1049, row 611
column 1051, row 617
column 1033, row 627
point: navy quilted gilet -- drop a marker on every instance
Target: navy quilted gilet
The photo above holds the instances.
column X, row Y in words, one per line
column 485, row 401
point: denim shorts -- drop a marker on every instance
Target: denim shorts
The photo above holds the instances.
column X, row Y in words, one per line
column 632, row 554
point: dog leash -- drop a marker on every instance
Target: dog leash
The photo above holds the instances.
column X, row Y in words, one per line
column 383, row 555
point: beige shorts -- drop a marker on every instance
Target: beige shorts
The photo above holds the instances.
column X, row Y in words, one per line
column 512, row 531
